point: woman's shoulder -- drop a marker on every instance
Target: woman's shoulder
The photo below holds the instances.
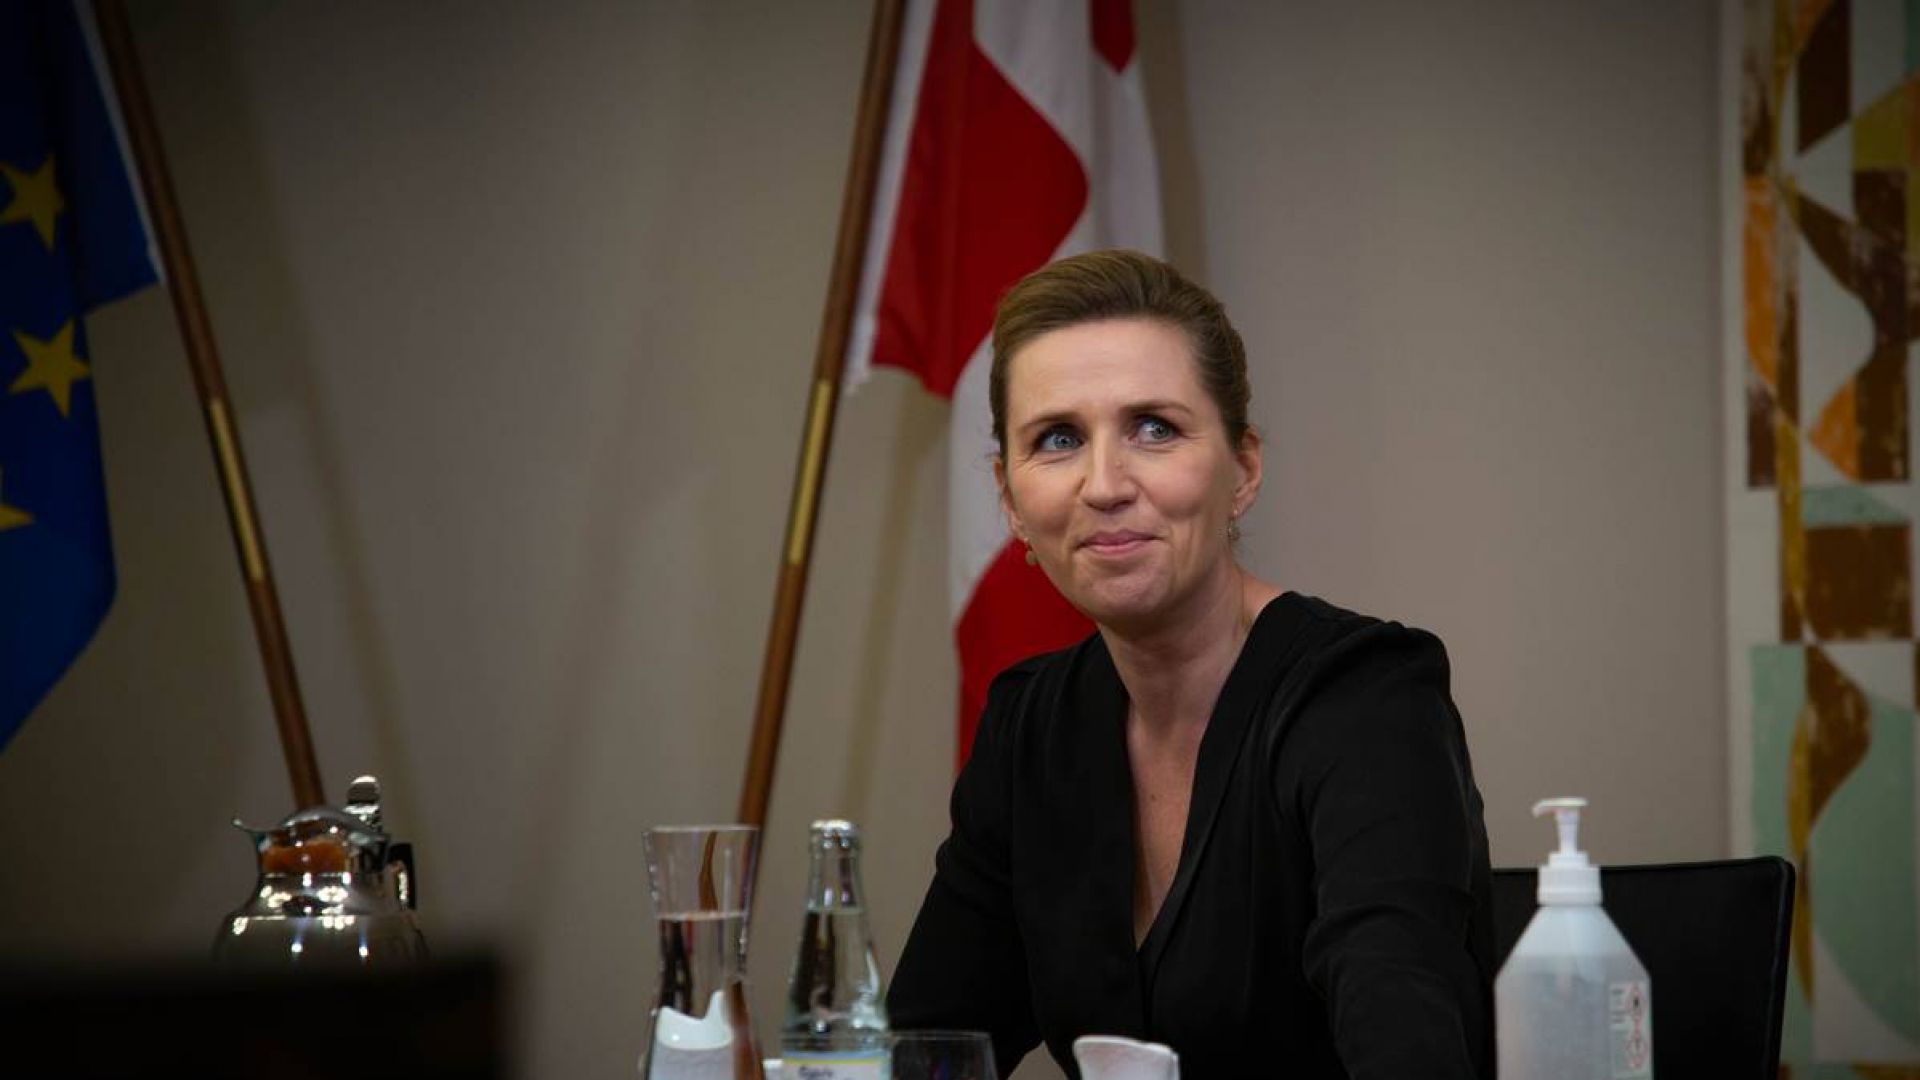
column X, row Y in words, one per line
column 1331, row 639
column 1026, row 697
column 1359, row 679
column 1015, row 680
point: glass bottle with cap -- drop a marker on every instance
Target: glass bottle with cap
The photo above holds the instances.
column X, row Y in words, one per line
column 836, row 1022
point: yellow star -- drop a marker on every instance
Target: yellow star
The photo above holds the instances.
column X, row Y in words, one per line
column 51, row 366
column 12, row 517
column 36, row 198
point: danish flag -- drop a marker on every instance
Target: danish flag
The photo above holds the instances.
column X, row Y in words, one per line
column 1017, row 135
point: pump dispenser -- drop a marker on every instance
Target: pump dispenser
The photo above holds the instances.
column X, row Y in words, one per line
column 1567, row 877
column 1572, row 1001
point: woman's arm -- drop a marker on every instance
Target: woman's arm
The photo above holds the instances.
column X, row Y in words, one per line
column 1378, row 771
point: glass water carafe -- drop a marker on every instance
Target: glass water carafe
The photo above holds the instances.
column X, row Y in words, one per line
column 702, row 882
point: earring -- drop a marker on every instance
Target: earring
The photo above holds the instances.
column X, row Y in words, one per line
column 1233, row 530
column 1032, row 559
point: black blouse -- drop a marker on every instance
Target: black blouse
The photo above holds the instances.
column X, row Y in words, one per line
column 1330, row 914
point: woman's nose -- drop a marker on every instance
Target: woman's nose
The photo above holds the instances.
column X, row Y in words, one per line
column 1108, row 481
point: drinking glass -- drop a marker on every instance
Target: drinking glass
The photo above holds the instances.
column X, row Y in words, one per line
column 942, row 1055
column 702, row 883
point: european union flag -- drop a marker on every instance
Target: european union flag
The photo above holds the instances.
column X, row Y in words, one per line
column 72, row 237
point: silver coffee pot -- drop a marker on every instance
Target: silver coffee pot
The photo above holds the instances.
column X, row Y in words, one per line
column 333, row 890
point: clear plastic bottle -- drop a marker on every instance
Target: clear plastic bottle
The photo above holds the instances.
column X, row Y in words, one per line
column 836, row 1022
column 1572, row 1001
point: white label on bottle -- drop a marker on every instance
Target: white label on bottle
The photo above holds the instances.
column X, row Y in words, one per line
column 830, row 1066
column 1630, row 1023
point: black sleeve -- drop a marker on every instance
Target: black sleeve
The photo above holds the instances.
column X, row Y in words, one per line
column 1378, row 772
column 964, row 965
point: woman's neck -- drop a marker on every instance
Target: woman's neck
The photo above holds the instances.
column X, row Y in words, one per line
column 1173, row 672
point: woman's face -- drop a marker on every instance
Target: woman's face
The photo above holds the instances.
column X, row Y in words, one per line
column 1118, row 470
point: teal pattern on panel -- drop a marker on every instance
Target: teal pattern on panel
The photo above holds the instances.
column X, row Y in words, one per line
column 1845, row 504
column 1862, row 849
column 1779, row 693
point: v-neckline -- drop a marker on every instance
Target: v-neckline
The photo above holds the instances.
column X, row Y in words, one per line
column 1247, row 682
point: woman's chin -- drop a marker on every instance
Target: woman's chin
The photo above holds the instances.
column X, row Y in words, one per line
column 1123, row 602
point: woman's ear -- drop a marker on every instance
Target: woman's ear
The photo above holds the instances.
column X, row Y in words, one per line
column 1247, row 461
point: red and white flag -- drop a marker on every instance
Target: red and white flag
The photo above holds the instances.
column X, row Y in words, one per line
column 1017, row 135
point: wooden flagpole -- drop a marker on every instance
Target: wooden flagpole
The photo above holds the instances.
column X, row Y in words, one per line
column 856, row 207
column 196, row 331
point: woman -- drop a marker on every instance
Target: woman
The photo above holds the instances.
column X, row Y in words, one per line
column 1235, row 820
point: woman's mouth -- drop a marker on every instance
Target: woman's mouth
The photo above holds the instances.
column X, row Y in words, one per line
column 1115, row 543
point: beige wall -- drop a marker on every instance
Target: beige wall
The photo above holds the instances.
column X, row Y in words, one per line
column 1475, row 249
column 518, row 305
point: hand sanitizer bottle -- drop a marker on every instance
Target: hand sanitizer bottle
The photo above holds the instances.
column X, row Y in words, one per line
column 1572, row 1002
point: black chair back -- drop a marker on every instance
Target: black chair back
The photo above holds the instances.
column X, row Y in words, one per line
column 1714, row 938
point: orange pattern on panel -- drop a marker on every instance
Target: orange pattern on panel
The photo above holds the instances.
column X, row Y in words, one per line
column 1837, row 433
column 1805, row 14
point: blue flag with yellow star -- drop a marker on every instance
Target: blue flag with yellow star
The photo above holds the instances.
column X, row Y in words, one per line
column 72, row 237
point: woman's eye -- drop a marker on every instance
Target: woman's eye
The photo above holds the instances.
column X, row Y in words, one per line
column 1056, row 439
column 1153, row 429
